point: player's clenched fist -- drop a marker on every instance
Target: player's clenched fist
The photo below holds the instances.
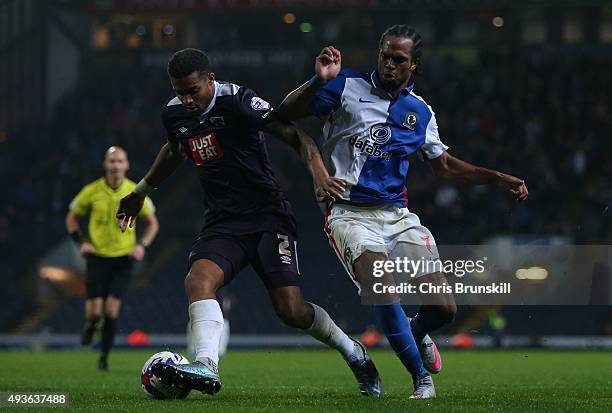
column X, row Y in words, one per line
column 129, row 207
column 516, row 186
column 328, row 63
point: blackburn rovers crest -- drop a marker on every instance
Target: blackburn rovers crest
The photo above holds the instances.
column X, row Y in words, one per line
column 411, row 120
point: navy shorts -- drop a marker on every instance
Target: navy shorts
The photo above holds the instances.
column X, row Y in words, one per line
column 271, row 251
column 107, row 276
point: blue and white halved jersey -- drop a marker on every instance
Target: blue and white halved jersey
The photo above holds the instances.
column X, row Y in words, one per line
column 368, row 136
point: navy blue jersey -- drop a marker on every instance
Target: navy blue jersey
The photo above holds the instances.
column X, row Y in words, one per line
column 226, row 145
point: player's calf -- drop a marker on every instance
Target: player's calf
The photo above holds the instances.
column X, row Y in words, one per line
column 206, row 328
column 430, row 318
column 291, row 308
column 437, row 309
column 394, row 324
column 316, row 322
column 89, row 330
column 108, row 338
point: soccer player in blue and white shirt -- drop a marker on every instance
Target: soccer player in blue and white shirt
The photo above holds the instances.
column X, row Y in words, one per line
column 373, row 122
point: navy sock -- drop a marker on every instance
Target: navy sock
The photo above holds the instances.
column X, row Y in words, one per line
column 395, row 326
column 91, row 323
column 427, row 320
column 108, row 336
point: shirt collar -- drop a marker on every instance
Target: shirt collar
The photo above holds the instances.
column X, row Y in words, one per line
column 109, row 188
column 212, row 101
column 374, row 79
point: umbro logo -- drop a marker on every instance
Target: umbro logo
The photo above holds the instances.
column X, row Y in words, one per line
column 183, row 129
column 362, row 100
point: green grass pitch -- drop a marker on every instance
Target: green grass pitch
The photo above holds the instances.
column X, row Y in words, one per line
column 319, row 381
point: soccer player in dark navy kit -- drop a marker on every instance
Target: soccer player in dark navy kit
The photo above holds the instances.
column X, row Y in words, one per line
column 219, row 126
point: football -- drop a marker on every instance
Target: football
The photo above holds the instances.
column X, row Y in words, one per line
column 153, row 385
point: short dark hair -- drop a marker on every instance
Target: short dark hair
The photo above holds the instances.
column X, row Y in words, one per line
column 186, row 61
column 403, row 30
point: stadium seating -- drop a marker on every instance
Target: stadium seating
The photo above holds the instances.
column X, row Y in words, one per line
column 491, row 112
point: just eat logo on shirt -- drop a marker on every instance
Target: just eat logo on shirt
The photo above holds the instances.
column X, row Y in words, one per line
column 204, row 148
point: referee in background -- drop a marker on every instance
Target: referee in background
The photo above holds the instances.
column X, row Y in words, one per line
column 110, row 253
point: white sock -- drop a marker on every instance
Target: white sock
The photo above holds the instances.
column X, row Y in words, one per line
column 225, row 336
column 206, row 326
column 326, row 331
column 190, row 344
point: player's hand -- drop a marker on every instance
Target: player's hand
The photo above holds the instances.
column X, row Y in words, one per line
column 516, row 186
column 85, row 249
column 129, row 207
column 137, row 253
column 330, row 189
column 328, row 63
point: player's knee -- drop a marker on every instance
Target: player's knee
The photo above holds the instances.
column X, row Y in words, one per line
column 94, row 315
column 292, row 314
column 205, row 277
column 94, row 309
column 200, row 286
column 111, row 313
column 111, row 307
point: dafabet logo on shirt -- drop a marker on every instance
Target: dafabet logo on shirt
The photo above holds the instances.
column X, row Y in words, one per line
column 379, row 135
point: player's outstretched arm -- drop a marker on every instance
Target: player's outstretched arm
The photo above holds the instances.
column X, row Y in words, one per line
column 168, row 159
column 296, row 104
column 454, row 169
column 166, row 162
column 327, row 188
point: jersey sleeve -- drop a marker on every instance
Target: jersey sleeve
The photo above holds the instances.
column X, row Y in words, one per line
column 148, row 208
column 432, row 146
column 167, row 122
column 81, row 204
column 252, row 109
column 328, row 98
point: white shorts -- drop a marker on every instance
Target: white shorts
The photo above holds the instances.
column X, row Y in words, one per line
column 388, row 229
